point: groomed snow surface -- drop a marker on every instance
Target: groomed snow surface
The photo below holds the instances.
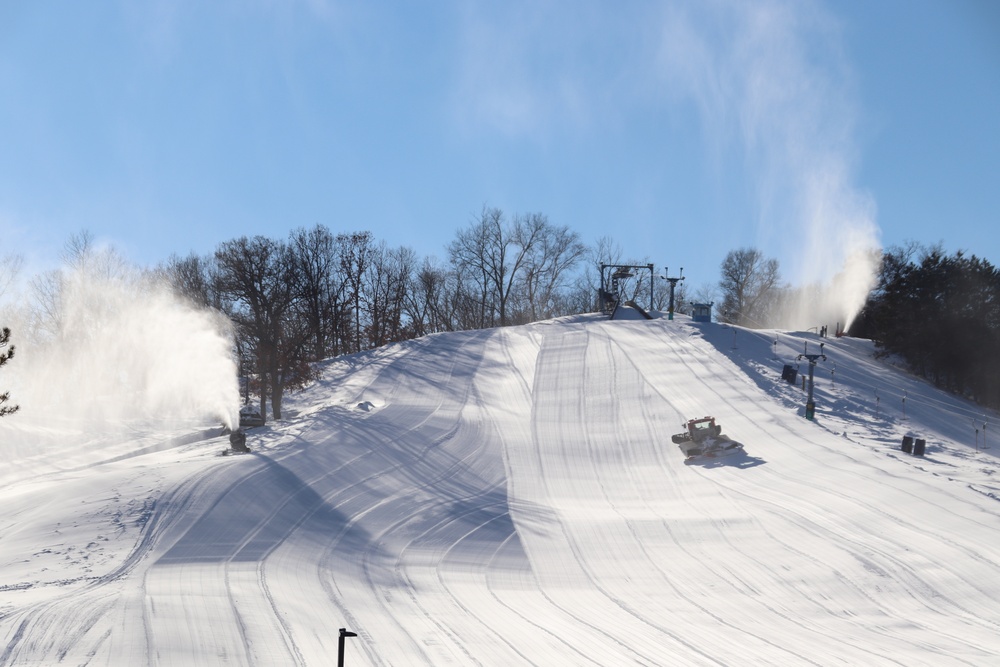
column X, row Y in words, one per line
column 512, row 497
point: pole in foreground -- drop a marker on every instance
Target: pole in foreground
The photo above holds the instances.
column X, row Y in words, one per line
column 340, row 645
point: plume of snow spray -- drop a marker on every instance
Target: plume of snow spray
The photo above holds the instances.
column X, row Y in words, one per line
column 109, row 351
column 773, row 74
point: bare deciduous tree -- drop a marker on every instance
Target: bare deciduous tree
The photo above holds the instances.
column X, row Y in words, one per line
column 258, row 275
column 195, row 277
column 706, row 293
column 749, row 286
column 321, row 287
column 386, row 282
column 433, row 302
column 86, row 268
column 355, row 251
column 550, row 254
column 477, row 255
column 510, row 268
column 10, row 267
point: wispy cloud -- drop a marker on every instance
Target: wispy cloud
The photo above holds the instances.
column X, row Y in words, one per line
column 526, row 70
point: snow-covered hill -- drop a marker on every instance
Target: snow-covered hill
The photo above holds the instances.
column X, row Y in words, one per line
column 512, row 497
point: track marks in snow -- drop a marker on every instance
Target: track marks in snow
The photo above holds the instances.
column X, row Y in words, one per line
column 775, row 573
column 566, row 475
column 513, row 498
column 433, row 501
column 402, row 471
column 812, row 505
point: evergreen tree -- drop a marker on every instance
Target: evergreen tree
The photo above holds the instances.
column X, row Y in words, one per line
column 941, row 315
column 4, row 358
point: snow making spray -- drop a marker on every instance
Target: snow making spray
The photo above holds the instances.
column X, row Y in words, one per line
column 773, row 76
column 108, row 352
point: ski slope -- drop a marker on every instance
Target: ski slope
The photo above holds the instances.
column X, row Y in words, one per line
column 512, row 497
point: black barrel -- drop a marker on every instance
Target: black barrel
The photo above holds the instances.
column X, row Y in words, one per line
column 907, row 445
column 918, row 447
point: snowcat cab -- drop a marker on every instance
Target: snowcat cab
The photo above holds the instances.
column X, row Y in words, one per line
column 703, row 437
column 698, row 430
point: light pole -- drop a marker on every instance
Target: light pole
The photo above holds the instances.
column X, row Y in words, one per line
column 813, row 358
column 340, row 645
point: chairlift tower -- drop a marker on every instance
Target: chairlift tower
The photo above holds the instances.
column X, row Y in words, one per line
column 673, row 283
column 813, row 358
column 613, row 283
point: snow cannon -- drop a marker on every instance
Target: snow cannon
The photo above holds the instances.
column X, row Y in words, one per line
column 238, row 441
column 703, row 438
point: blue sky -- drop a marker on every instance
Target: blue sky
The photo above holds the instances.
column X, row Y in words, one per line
column 682, row 130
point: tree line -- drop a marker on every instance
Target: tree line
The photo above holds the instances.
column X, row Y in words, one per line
column 317, row 294
column 940, row 314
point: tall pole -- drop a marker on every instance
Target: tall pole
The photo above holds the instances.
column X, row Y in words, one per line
column 813, row 358
column 673, row 283
column 652, row 283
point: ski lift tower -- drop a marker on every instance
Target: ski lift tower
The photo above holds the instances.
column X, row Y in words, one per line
column 613, row 280
column 673, row 283
column 813, row 358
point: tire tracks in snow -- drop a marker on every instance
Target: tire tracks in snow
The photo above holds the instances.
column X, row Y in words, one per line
column 930, row 599
column 440, row 485
column 614, row 352
column 790, row 616
column 557, row 357
column 556, row 642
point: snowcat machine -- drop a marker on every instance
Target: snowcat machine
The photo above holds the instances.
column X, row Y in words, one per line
column 703, row 438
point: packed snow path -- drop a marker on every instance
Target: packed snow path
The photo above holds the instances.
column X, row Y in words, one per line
column 512, row 497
